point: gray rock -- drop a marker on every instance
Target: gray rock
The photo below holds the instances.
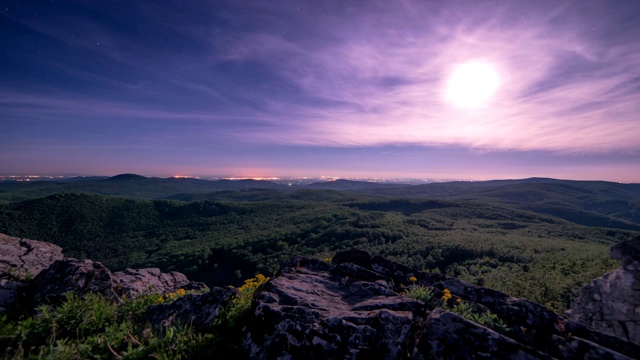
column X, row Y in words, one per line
column 135, row 282
column 306, row 312
column 611, row 303
column 83, row 276
column 628, row 252
column 198, row 311
column 450, row 336
column 72, row 276
column 20, row 261
column 9, row 291
column 24, row 259
column 312, row 310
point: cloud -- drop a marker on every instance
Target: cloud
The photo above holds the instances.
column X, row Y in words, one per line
column 333, row 73
column 380, row 76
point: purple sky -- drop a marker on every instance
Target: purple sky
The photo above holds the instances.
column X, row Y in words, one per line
column 310, row 88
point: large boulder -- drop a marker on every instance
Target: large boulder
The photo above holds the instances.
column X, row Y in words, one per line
column 83, row 276
column 358, row 310
column 310, row 312
column 72, row 276
column 24, row 258
column 20, row 261
column 198, row 311
column 135, row 282
column 611, row 303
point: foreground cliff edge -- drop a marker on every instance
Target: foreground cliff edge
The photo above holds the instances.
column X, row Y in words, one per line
column 357, row 307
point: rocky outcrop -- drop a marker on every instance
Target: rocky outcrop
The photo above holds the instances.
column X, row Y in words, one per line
column 72, row 276
column 356, row 309
column 83, row 276
column 20, row 261
column 611, row 303
column 198, row 311
column 24, row 258
column 135, row 282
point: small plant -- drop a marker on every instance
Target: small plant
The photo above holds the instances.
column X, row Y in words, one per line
column 463, row 309
column 169, row 297
column 490, row 320
column 422, row 293
column 486, row 318
column 242, row 303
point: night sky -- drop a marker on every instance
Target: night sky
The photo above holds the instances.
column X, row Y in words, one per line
column 438, row 89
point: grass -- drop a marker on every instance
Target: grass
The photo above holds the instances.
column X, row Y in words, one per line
column 92, row 327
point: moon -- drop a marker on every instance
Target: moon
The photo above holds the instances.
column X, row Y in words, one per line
column 472, row 84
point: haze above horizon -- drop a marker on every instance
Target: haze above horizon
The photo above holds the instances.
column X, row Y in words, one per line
column 406, row 89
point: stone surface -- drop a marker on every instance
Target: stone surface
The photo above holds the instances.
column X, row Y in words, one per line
column 83, row 276
column 309, row 312
column 135, row 282
column 20, row 261
column 24, row 258
column 357, row 310
column 611, row 303
column 75, row 276
column 450, row 336
column 198, row 311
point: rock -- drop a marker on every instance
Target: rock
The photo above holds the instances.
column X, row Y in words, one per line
column 135, row 282
column 25, row 259
column 611, row 303
column 20, row 261
column 308, row 312
column 357, row 309
column 353, row 256
column 72, row 276
column 83, row 276
column 9, row 291
column 450, row 336
column 313, row 310
column 628, row 252
column 198, row 311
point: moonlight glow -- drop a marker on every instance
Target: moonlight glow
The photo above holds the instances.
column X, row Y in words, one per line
column 472, row 85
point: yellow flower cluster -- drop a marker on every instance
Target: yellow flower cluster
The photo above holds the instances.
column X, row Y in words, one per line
column 447, row 295
column 171, row 296
column 458, row 300
column 327, row 259
column 250, row 285
column 413, row 279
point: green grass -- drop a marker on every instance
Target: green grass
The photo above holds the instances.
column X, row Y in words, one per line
column 91, row 327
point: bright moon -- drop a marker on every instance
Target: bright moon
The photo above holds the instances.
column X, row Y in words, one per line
column 472, row 84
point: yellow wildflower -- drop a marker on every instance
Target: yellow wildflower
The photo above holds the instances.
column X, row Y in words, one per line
column 413, row 279
column 458, row 300
column 447, row 295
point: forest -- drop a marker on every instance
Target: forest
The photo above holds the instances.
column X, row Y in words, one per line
column 534, row 239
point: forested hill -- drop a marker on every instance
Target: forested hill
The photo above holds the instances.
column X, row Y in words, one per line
column 126, row 185
column 590, row 203
column 494, row 243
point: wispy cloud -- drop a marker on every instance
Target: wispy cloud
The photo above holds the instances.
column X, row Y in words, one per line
column 381, row 78
column 267, row 77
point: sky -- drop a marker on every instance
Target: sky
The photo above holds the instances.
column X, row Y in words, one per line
column 436, row 89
